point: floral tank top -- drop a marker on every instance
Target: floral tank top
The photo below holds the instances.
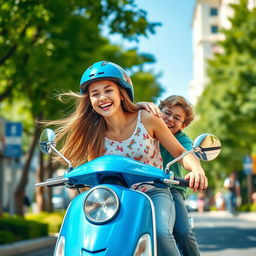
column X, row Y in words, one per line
column 140, row 146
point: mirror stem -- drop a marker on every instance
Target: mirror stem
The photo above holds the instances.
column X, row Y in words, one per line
column 177, row 159
column 63, row 157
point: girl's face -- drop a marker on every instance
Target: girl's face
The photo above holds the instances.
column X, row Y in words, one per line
column 105, row 97
column 174, row 117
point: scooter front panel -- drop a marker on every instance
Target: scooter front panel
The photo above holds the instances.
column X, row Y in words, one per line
column 119, row 236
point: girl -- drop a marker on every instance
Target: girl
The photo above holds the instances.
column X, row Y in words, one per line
column 106, row 121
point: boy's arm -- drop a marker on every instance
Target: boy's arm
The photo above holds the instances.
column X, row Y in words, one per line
column 150, row 107
column 187, row 143
column 158, row 129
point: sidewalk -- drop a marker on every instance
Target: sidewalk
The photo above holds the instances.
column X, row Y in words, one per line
column 34, row 244
column 249, row 216
column 26, row 246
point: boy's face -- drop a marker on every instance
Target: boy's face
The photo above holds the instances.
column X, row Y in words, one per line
column 174, row 117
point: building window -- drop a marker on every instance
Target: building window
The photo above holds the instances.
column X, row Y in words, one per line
column 213, row 11
column 214, row 29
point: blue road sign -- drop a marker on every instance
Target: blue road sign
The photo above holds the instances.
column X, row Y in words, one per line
column 13, row 133
column 247, row 164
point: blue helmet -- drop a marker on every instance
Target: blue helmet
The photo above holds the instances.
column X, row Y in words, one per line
column 105, row 70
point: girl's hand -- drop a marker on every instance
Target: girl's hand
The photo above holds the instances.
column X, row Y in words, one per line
column 197, row 180
column 150, row 107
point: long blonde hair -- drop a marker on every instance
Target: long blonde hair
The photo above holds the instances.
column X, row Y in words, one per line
column 81, row 135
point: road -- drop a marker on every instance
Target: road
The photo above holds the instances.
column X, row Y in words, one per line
column 216, row 234
column 225, row 236
column 42, row 252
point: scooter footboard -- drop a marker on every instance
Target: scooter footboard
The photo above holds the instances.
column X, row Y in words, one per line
column 118, row 236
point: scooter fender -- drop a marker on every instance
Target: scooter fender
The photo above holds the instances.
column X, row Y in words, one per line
column 119, row 236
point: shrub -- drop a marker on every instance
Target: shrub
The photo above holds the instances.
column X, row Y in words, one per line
column 53, row 220
column 6, row 237
column 245, row 208
column 16, row 229
column 253, row 207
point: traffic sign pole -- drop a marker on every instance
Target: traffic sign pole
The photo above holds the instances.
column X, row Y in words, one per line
column 12, row 150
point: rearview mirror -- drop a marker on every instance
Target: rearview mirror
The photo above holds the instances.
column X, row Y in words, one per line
column 46, row 139
column 207, row 147
column 47, row 144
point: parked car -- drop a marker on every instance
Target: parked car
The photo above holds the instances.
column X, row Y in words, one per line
column 191, row 202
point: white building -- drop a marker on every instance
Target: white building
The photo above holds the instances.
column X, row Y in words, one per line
column 209, row 17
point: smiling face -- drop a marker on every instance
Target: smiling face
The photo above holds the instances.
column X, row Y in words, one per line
column 174, row 118
column 105, row 97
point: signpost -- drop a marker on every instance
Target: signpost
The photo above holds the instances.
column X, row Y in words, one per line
column 248, row 170
column 12, row 143
column 12, row 149
column 247, row 164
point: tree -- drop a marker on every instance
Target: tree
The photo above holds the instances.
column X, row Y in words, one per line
column 227, row 106
column 45, row 46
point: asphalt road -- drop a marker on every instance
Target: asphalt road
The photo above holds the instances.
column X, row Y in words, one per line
column 217, row 235
column 225, row 236
column 42, row 252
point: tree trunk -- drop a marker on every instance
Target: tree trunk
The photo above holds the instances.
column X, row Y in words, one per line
column 20, row 190
column 40, row 199
column 50, row 170
column 44, row 194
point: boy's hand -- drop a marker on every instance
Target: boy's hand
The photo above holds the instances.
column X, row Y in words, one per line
column 197, row 180
column 150, row 107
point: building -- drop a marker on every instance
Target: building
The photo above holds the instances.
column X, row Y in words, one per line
column 208, row 18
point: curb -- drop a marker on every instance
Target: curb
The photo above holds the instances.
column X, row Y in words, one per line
column 249, row 216
column 26, row 246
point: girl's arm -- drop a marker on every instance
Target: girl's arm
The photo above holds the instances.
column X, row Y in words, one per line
column 158, row 129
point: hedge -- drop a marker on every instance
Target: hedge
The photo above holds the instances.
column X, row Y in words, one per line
column 53, row 219
column 15, row 229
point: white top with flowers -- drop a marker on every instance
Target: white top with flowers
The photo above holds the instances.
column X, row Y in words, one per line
column 140, row 146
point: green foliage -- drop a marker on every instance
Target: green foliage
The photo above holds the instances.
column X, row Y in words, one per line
column 247, row 208
column 46, row 45
column 6, row 237
column 53, row 220
column 145, row 87
column 227, row 106
column 15, row 229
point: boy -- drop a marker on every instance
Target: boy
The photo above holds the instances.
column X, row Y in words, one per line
column 177, row 113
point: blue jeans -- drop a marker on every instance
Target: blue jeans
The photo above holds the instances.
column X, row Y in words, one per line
column 230, row 201
column 182, row 231
column 165, row 217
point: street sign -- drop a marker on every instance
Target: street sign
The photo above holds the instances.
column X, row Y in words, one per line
column 247, row 164
column 12, row 142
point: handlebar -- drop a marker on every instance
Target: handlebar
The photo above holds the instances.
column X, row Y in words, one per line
column 177, row 181
column 182, row 182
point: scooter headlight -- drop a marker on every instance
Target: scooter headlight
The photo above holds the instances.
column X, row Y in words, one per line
column 101, row 204
column 143, row 247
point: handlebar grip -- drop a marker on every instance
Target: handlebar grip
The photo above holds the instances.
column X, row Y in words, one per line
column 182, row 182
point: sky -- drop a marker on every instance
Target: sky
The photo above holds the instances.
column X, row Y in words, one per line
column 171, row 44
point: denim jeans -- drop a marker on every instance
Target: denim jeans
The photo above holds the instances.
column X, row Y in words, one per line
column 182, row 231
column 230, row 202
column 165, row 217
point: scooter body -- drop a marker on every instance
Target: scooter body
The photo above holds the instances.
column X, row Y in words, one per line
column 112, row 218
column 130, row 229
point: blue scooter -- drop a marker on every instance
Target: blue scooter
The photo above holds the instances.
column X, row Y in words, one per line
column 111, row 219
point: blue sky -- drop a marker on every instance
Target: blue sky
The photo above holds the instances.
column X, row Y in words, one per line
column 171, row 44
